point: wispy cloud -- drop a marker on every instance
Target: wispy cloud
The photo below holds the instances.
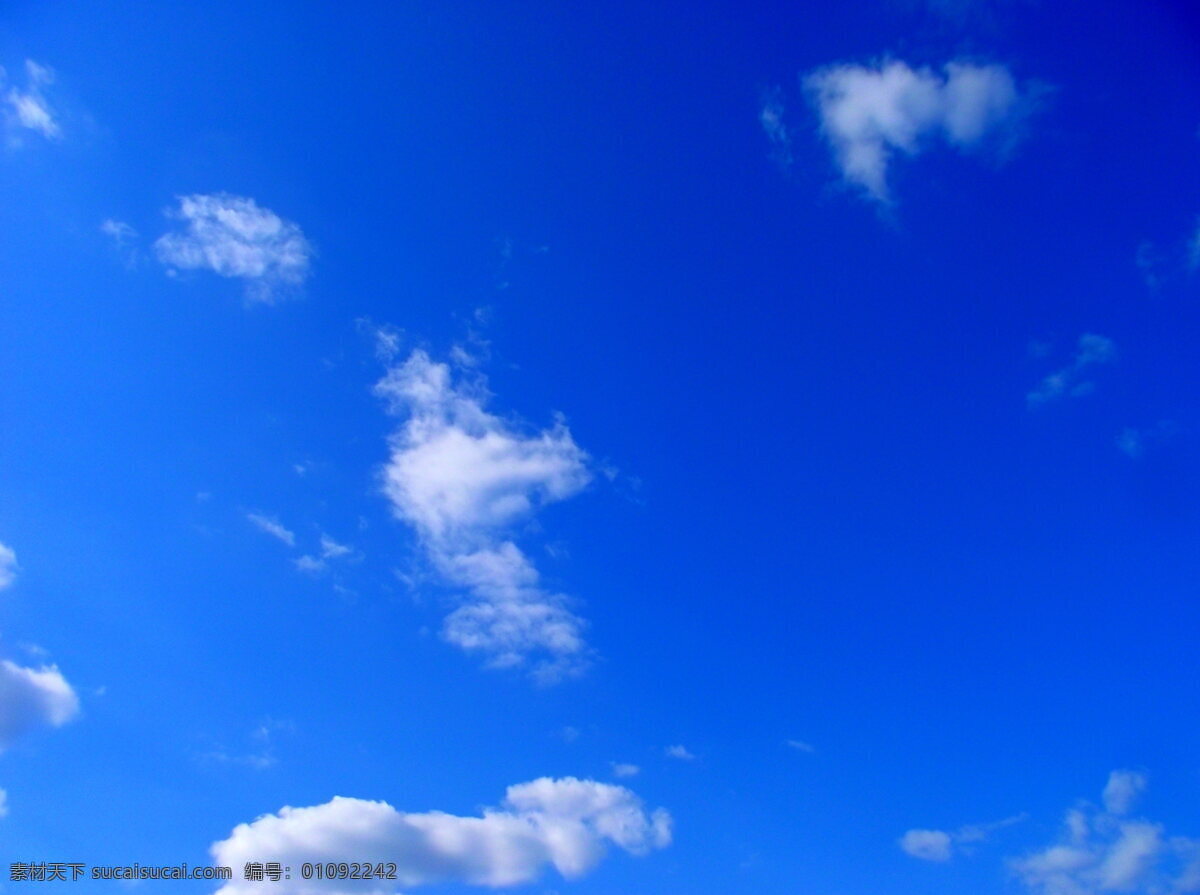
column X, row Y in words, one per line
column 869, row 113
column 563, row 823
column 801, row 746
column 462, row 477
column 624, row 769
column 679, row 752
column 233, row 237
column 1071, row 380
column 27, row 109
column 272, row 526
column 941, row 845
column 8, row 566
column 770, row 116
column 1134, row 442
column 124, row 240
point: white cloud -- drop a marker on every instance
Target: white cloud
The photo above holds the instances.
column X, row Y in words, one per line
column 801, row 746
column 28, row 109
column 770, row 116
column 3, row 803
column 8, row 566
column 565, row 823
column 462, row 477
column 1070, row 381
column 679, row 752
column 124, row 239
column 928, row 845
column 31, row 698
column 1122, row 790
column 941, row 845
column 272, row 526
column 1101, row 850
column 331, row 549
column 868, row 113
column 624, row 769
column 234, row 237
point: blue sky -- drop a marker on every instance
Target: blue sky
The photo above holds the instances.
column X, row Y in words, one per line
column 652, row 448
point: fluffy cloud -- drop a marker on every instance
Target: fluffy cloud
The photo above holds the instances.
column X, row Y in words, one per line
column 462, row 477
column 27, row 109
column 1070, row 381
column 8, row 566
column 32, row 698
column 272, row 526
column 565, row 823
column 868, row 113
column 233, row 237
column 1102, row 850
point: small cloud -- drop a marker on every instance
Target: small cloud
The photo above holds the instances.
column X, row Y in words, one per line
column 940, row 845
column 32, row 698
column 770, row 116
column 1069, row 381
column 233, row 237
column 270, row 525
column 1134, row 443
column 679, row 752
column 331, row 549
column 8, row 566
column 870, row 113
column 310, row 564
column 27, row 109
column 124, row 239
column 622, row 769
column 1122, row 790
column 927, row 845
column 3, row 803
column 801, row 746
column 569, row 734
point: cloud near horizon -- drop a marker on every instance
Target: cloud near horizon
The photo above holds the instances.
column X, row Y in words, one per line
column 563, row 823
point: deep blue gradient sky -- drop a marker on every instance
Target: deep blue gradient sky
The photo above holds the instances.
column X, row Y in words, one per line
column 822, row 507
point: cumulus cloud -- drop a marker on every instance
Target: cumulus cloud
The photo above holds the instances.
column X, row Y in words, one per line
column 272, row 526
column 564, row 823
column 1071, row 381
column 32, row 698
column 8, row 566
column 462, row 478
column 869, row 113
column 27, row 109
column 942, row 845
column 233, row 237
column 1103, row 850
